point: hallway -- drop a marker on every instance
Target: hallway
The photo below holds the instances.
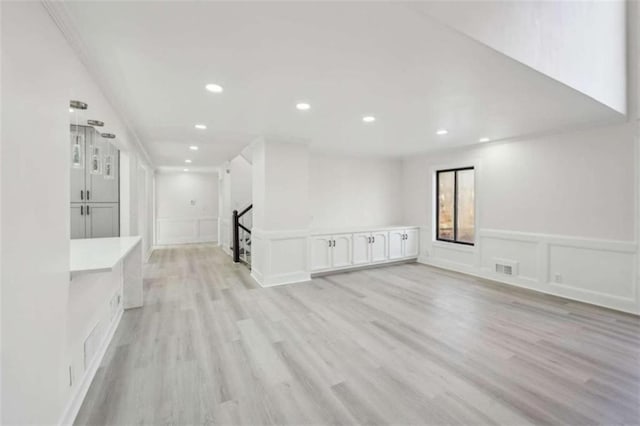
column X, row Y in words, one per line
column 406, row 344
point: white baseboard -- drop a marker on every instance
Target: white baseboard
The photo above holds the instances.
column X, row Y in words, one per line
column 77, row 398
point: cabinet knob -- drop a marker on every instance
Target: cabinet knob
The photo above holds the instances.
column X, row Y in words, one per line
column 81, row 194
column 87, row 196
column 81, row 210
column 87, row 210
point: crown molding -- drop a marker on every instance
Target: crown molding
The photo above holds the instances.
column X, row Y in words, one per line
column 60, row 16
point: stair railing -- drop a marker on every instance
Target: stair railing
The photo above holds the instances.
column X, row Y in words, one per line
column 241, row 237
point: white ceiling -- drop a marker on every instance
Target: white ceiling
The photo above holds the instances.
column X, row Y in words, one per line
column 346, row 59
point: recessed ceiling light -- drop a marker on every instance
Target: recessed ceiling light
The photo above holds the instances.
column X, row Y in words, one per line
column 215, row 88
column 200, row 126
column 484, row 140
column 70, row 109
column 193, row 148
column 302, row 106
column 442, row 132
column 187, row 161
column 368, row 119
column 185, row 170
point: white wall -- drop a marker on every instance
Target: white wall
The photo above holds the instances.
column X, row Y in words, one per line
column 40, row 74
column 565, row 40
column 186, row 207
column 354, row 191
column 240, row 174
column 562, row 206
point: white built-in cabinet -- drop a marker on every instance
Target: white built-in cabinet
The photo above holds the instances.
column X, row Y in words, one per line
column 344, row 250
column 95, row 208
column 330, row 251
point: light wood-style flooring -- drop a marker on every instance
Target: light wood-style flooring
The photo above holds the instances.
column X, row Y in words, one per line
column 405, row 344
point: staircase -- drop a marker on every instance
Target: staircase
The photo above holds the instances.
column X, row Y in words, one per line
column 241, row 242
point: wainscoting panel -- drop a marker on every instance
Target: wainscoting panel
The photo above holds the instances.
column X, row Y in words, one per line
column 224, row 231
column 601, row 272
column 280, row 257
column 186, row 230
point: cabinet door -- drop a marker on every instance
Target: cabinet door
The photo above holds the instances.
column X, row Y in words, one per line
column 101, row 190
column 341, row 251
column 379, row 246
column 396, row 244
column 102, row 220
column 320, row 253
column 361, row 248
column 77, row 221
column 412, row 243
column 77, row 175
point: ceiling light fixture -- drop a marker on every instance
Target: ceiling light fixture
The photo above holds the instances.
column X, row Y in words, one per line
column 442, row 132
column 214, row 88
column 200, row 126
column 484, row 140
column 193, row 148
column 368, row 119
column 302, row 106
column 187, row 161
column 185, row 170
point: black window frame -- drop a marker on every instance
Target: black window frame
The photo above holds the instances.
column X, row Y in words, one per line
column 455, row 204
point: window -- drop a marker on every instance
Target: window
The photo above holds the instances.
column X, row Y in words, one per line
column 455, row 210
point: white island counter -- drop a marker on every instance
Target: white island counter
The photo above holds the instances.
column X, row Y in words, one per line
column 106, row 280
column 100, row 254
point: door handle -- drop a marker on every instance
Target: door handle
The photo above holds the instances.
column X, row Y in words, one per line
column 369, row 240
column 81, row 194
column 87, row 210
column 81, row 210
column 88, row 196
column 373, row 239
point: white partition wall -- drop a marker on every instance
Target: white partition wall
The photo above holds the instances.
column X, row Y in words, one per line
column 281, row 216
column 186, row 207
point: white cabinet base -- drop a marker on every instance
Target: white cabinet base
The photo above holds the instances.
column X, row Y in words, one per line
column 339, row 251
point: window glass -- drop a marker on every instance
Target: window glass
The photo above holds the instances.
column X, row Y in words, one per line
column 465, row 207
column 456, row 205
column 446, row 189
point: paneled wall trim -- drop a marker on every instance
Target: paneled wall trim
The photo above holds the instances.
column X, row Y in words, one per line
column 601, row 272
column 186, row 230
column 284, row 257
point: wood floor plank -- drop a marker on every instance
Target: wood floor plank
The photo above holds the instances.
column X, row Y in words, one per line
column 404, row 344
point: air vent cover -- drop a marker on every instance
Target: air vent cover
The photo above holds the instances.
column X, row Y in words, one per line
column 505, row 267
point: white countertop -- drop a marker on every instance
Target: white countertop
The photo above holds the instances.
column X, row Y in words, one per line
column 358, row 229
column 99, row 254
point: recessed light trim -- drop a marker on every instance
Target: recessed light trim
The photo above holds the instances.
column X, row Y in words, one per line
column 485, row 139
column 214, row 88
column 200, row 126
column 185, row 170
column 187, row 161
column 193, row 148
column 303, row 106
column 442, row 132
column 368, row 119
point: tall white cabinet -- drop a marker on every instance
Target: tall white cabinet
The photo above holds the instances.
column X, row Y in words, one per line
column 342, row 250
column 95, row 201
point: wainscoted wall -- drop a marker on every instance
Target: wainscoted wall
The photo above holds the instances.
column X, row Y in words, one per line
column 224, row 232
column 597, row 271
column 286, row 258
column 186, row 208
column 186, row 230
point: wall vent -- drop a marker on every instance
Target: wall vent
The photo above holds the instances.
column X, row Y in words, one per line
column 505, row 267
